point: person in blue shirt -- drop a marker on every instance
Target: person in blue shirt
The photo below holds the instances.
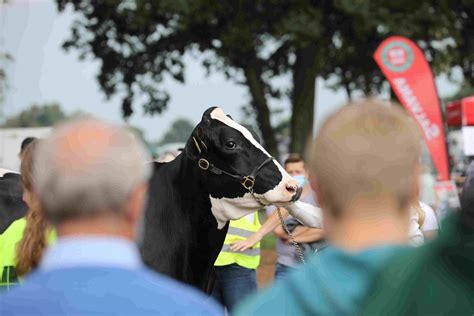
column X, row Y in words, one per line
column 364, row 167
column 91, row 180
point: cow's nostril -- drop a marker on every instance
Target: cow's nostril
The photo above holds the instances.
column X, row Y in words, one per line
column 297, row 195
column 292, row 188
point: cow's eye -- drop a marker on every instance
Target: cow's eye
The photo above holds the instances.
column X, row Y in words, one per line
column 231, row 144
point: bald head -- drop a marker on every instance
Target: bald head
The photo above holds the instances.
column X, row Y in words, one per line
column 88, row 167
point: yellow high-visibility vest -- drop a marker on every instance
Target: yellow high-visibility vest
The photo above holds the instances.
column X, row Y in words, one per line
column 8, row 246
column 239, row 230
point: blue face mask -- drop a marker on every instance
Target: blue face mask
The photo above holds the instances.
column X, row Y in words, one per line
column 301, row 180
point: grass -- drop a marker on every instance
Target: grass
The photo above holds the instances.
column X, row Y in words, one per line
column 268, row 242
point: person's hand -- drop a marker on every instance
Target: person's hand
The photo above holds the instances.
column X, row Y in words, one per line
column 248, row 243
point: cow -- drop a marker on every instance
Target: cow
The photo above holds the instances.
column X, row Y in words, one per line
column 12, row 206
column 223, row 173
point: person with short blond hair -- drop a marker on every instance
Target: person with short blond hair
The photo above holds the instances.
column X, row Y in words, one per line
column 366, row 162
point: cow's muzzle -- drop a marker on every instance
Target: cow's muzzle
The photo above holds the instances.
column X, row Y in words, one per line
column 297, row 194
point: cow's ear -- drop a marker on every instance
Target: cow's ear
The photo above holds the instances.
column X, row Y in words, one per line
column 206, row 117
column 230, row 117
column 195, row 146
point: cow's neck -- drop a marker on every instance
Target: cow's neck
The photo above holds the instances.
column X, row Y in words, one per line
column 196, row 204
column 194, row 196
column 181, row 235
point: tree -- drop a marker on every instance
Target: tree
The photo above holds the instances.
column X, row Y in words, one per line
column 253, row 43
column 140, row 42
column 179, row 131
column 4, row 58
column 140, row 134
column 465, row 90
column 443, row 30
column 37, row 115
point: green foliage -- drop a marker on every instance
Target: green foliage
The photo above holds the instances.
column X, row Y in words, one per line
column 37, row 116
column 268, row 242
column 139, row 43
column 4, row 58
column 442, row 29
column 179, row 131
column 465, row 90
column 140, row 134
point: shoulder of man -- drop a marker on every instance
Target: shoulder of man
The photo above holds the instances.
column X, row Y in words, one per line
column 278, row 299
column 436, row 266
column 300, row 292
column 122, row 291
column 179, row 297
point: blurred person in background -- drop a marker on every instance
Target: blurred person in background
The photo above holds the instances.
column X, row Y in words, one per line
column 23, row 243
column 427, row 183
column 24, row 144
column 429, row 225
column 91, row 181
column 287, row 256
column 235, row 267
column 240, row 256
column 366, row 162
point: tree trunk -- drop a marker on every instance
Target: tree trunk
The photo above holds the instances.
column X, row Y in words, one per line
column 346, row 83
column 393, row 96
column 259, row 102
column 304, row 89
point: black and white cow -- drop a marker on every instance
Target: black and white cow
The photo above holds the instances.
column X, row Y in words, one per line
column 12, row 206
column 222, row 174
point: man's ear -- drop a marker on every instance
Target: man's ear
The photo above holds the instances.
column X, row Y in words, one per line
column 315, row 187
column 415, row 185
column 136, row 203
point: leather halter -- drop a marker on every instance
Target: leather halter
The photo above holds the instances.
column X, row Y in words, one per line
column 247, row 181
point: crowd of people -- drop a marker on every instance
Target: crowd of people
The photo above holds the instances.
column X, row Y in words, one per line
column 380, row 249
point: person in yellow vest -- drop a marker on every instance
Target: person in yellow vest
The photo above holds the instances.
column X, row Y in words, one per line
column 239, row 258
column 23, row 242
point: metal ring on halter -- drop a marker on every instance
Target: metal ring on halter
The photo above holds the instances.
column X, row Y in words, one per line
column 203, row 164
column 248, row 183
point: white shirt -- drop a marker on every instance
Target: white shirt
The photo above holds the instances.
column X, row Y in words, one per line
column 415, row 235
column 431, row 222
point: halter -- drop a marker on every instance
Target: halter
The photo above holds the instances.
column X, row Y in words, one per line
column 247, row 181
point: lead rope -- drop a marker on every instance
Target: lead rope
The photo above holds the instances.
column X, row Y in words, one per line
column 295, row 244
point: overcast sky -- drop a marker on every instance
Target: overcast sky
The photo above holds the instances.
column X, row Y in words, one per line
column 33, row 31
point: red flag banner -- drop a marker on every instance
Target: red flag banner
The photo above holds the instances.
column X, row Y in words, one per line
column 409, row 74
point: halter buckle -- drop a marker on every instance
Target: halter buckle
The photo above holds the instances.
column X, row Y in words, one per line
column 248, row 182
column 203, row 164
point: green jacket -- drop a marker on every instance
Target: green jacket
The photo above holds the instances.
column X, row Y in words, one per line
column 437, row 279
column 8, row 245
column 332, row 282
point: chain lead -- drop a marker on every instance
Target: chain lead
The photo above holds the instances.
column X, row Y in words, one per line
column 295, row 244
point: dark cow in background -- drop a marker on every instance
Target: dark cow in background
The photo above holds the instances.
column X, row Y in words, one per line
column 12, row 206
column 222, row 174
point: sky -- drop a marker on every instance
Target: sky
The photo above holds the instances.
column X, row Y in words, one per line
column 33, row 31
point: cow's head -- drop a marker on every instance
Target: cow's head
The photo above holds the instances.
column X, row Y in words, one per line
column 233, row 153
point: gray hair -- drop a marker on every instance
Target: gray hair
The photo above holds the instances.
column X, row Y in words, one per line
column 88, row 167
